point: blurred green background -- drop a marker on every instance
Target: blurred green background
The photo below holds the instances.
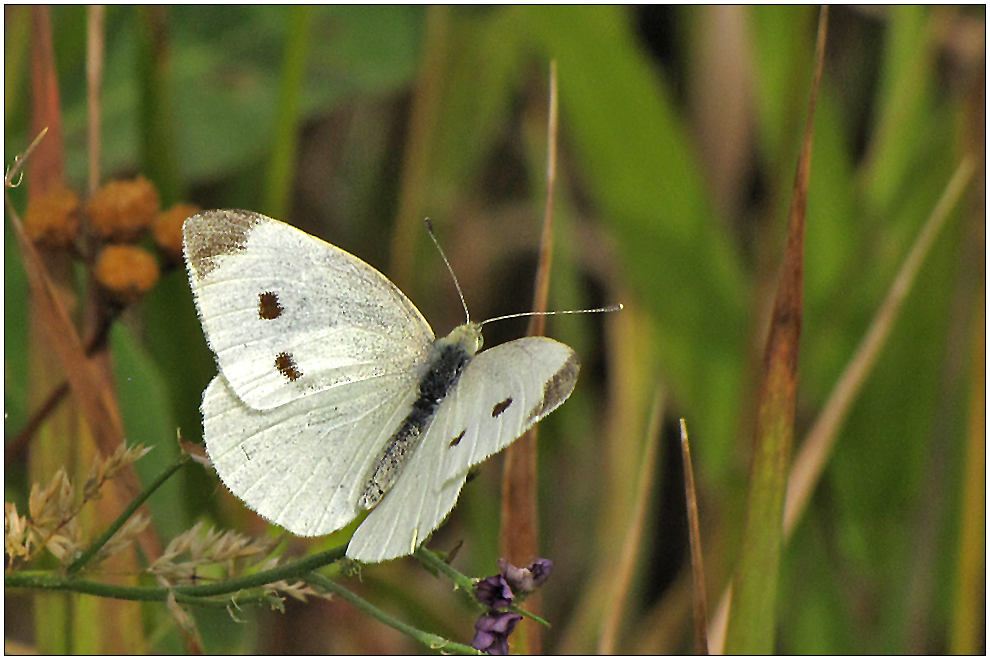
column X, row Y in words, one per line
column 679, row 134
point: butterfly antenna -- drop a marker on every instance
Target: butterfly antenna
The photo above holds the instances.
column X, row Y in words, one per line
column 610, row 308
column 429, row 228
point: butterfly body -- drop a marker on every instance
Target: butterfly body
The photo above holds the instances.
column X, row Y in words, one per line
column 448, row 357
column 333, row 395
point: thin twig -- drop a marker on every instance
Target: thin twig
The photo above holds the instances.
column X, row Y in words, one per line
column 432, row 561
column 19, row 444
column 520, row 516
column 94, row 548
column 19, row 161
column 542, row 288
column 430, row 640
column 94, row 84
column 57, row 581
column 697, row 559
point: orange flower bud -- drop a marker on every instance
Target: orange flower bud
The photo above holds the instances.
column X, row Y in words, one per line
column 168, row 228
column 122, row 210
column 127, row 272
column 52, row 220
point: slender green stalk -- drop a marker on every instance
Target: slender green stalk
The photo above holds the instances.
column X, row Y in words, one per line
column 697, row 560
column 52, row 580
column 430, row 559
column 816, row 450
column 281, row 167
column 752, row 618
column 433, row 641
column 529, row 615
column 94, row 548
column 419, row 146
column 156, row 119
column 969, row 605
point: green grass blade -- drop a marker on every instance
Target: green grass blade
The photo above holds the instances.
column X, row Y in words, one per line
column 752, row 619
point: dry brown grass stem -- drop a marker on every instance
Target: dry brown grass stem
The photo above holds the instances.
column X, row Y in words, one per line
column 632, row 545
column 94, row 84
column 520, row 517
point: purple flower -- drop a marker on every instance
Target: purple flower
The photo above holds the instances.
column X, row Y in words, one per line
column 493, row 592
column 492, row 629
column 492, row 632
column 525, row 580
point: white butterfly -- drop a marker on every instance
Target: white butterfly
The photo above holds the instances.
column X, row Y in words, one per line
column 333, row 395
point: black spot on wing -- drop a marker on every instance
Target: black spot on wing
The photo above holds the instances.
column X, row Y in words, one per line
column 269, row 308
column 501, row 407
column 286, row 365
column 457, row 440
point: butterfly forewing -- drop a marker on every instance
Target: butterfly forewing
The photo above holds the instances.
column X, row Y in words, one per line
column 502, row 392
column 288, row 314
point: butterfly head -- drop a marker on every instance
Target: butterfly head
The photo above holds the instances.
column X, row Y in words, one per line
column 466, row 336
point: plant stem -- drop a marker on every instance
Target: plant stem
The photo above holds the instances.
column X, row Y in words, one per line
column 55, row 581
column 432, row 641
column 430, row 559
column 94, row 548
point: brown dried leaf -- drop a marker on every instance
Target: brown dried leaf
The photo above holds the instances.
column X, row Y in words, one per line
column 93, row 392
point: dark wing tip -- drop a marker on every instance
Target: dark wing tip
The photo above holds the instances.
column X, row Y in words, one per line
column 558, row 387
column 209, row 235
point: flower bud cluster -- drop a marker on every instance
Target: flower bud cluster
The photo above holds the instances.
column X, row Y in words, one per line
column 492, row 629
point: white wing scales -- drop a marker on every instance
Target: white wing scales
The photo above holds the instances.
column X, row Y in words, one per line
column 321, row 359
column 502, row 392
column 304, row 465
column 287, row 314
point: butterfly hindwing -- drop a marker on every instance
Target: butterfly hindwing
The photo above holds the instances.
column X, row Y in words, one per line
column 416, row 505
column 304, row 464
column 287, row 314
column 502, row 392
